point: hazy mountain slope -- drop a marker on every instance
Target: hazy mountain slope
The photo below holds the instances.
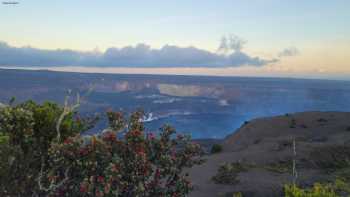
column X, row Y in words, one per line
column 265, row 146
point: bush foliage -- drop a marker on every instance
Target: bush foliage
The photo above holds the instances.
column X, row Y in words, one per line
column 43, row 153
column 340, row 187
column 317, row 190
column 216, row 148
column 228, row 173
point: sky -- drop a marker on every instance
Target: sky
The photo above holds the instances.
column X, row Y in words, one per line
column 307, row 39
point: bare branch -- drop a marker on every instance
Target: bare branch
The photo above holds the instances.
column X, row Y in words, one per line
column 52, row 187
column 295, row 173
column 66, row 110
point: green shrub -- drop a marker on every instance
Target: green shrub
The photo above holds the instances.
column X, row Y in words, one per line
column 228, row 173
column 4, row 138
column 282, row 166
column 292, row 123
column 322, row 120
column 216, row 148
column 343, row 173
column 318, row 190
column 257, row 141
column 340, row 187
column 284, row 144
column 237, row 194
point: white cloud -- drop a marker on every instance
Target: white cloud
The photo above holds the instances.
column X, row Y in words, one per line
column 141, row 55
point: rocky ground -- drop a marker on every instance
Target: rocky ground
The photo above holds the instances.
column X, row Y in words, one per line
column 263, row 151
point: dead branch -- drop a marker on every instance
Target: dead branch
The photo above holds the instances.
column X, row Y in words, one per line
column 52, row 186
column 67, row 109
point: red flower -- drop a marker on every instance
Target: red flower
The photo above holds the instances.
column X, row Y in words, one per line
column 175, row 195
column 151, row 136
column 109, row 136
column 114, row 168
column 135, row 133
column 98, row 193
column 68, row 141
column 52, row 178
column 140, row 150
column 83, row 151
column 107, row 188
column 100, row 179
column 83, row 188
column 157, row 174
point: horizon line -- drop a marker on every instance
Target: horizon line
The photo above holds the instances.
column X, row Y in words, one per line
column 264, row 76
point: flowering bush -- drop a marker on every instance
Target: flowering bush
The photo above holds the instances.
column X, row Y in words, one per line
column 123, row 160
column 27, row 131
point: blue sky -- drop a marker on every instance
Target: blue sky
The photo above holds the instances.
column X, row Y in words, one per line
column 313, row 27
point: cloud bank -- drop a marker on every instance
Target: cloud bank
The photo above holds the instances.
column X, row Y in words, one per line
column 141, row 55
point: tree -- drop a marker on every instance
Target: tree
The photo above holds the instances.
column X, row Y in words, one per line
column 123, row 160
column 28, row 130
